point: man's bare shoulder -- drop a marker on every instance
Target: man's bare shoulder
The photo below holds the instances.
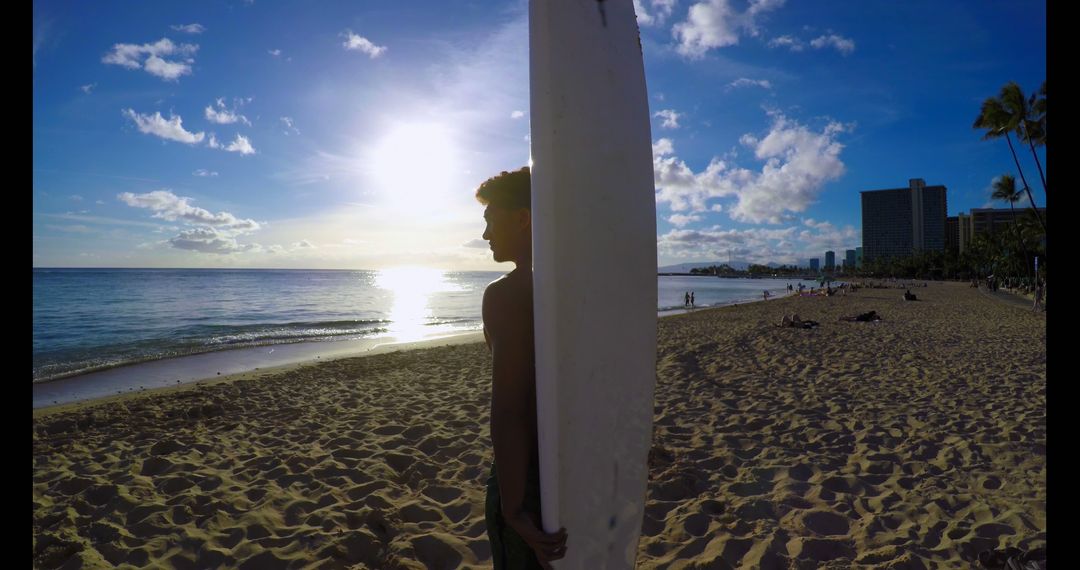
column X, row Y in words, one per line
column 511, row 289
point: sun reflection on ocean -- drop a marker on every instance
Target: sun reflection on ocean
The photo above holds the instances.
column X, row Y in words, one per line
column 412, row 289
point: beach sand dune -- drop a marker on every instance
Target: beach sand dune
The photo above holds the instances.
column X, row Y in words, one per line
column 914, row 442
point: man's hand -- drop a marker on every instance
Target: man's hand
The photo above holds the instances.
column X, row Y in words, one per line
column 547, row 547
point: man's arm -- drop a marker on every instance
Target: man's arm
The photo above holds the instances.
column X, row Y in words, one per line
column 508, row 315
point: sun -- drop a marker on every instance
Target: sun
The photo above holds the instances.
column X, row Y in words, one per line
column 414, row 168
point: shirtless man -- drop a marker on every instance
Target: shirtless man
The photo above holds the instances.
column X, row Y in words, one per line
column 512, row 508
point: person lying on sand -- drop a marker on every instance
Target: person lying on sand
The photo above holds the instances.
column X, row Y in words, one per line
column 909, row 296
column 794, row 321
column 863, row 318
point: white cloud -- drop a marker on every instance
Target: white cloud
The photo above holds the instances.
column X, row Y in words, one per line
column 169, row 206
column 171, row 129
column 662, row 147
column 274, row 52
column 209, row 240
column 744, row 82
column 362, row 44
column 794, row 44
column 661, row 10
column 241, row 145
column 517, row 114
column 189, row 28
column 798, row 163
column 476, row 243
column 715, row 23
column 290, row 128
column 818, row 225
column 303, row 244
column 100, row 202
column 790, row 245
column 681, row 220
column 843, row 45
column 88, row 88
column 204, row 172
column 132, row 56
column 223, row 115
column 212, row 143
column 76, row 198
column 211, row 233
column 670, row 117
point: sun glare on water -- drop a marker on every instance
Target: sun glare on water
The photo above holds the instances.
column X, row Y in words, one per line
column 413, row 289
column 414, row 168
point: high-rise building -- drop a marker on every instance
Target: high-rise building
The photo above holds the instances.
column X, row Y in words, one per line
column 849, row 258
column 814, row 264
column 986, row 221
column 901, row 221
column 858, row 256
column 830, row 260
column 952, row 232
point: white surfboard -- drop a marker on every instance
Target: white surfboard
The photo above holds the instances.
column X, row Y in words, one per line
column 594, row 274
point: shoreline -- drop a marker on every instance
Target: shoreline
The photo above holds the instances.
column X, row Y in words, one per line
column 164, row 375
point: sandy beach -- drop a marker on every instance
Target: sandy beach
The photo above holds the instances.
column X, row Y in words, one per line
column 913, row 442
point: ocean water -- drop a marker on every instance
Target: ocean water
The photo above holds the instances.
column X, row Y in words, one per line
column 93, row 319
column 87, row 320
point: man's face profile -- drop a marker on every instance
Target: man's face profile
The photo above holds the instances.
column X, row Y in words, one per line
column 505, row 231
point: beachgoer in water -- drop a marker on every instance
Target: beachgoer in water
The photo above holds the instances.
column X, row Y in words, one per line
column 691, row 299
column 686, row 299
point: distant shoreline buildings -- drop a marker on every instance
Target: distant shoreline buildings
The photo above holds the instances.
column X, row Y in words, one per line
column 899, row 222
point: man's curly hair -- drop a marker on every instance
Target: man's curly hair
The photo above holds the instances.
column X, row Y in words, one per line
column 508, row 190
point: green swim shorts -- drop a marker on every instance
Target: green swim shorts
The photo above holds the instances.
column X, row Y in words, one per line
column 508, row 550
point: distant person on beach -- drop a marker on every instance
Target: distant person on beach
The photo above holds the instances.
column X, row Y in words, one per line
column 691, row 299
column 909, row 296
column 512, row 508
column 766, row 294
column 686, row 301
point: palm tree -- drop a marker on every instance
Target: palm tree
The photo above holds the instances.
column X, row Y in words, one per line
column 1005, row 189
column 1035, row 126
column 1001, row 115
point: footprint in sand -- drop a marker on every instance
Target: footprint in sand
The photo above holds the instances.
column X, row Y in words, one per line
column 174, row 485
column 457, row 513
column 155, row 466
column 756, row 510
column 414, row 512
column 826, row 523
column 436, row 552
column 390, row 429
column 442, row 494
column 819, row 549
column 697, row 524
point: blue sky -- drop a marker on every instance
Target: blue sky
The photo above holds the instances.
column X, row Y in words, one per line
column 351, row 135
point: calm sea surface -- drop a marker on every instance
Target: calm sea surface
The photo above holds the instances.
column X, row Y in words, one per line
column 93, row 319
